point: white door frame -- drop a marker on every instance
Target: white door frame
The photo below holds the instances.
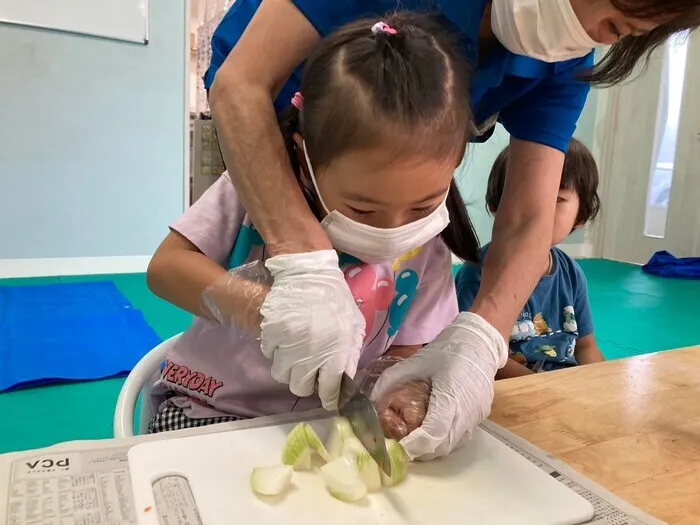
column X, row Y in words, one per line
column 186, row 143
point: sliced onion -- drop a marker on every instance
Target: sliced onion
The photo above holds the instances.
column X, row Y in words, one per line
column 304, row 461
column 298, row 442
column 399, row 464
column 343, row 479
column 315, row 442
column 271, row 481
column 340, row 431
column 369, row 472
column 367, row 467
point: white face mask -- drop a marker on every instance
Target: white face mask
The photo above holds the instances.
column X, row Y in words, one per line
column 376, row 245
column 547, row 30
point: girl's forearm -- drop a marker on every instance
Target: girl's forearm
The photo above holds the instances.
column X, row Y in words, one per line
column 180, row 277
column 187, row 278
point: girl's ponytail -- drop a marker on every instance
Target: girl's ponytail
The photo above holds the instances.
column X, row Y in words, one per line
column 288, row 121
column 460, row 236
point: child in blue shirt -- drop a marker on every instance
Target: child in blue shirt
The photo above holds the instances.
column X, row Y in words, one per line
column 555, row 328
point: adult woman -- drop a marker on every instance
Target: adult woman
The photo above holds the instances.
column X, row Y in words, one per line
column 529, row 56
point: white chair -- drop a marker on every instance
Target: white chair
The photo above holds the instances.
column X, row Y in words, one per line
column 138, row 384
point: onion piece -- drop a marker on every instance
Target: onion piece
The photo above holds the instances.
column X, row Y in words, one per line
column 340, row 431
column 271, row 481
column 316, row 443
column 304, row 461
column 367, row 467
column 343, row 479
column 298, row 442
column 399, row 464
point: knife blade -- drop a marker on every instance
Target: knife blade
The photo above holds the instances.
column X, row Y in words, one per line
column 363, row 418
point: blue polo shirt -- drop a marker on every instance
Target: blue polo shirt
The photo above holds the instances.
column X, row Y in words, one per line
column 534, row 100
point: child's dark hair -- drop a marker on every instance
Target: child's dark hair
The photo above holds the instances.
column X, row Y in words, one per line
column 580, row 174
column 406, row 90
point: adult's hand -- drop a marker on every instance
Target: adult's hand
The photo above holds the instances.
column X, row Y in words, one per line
column 312, row 329
column 460, row 366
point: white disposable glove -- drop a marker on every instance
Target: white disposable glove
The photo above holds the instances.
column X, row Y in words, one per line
column 312, row 330
column 460, row 365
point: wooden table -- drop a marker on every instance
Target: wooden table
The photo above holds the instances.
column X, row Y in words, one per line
column 632, row 426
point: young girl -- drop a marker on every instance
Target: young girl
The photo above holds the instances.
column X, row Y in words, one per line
column 555, row 329
column 374, row 137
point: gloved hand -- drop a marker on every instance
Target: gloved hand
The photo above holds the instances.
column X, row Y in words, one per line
column 402, row 409
column 312, row 330
column 460, row 366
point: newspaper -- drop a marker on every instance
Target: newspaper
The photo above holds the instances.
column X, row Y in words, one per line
column 82, row 487
column 88, row 483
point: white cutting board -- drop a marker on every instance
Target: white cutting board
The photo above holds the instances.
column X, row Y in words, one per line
column 484, row 483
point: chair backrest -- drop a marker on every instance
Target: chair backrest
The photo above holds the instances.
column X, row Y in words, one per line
column 138, row 384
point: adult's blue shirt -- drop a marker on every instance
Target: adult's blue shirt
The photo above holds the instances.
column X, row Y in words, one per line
column 534, row 100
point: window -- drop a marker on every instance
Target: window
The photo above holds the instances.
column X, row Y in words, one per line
column 670, row 102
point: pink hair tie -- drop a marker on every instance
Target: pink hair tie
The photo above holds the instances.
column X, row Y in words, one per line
column 383, row 27
column 298, row 101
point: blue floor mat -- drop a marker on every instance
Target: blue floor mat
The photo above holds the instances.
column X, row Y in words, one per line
column 68, row 332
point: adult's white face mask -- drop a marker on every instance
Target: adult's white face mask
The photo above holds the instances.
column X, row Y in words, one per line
column 547, row 30
column 376, row 245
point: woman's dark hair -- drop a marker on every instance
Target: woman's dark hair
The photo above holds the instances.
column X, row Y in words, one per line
column 620, row 61
column 580, row 174
column 407, row 91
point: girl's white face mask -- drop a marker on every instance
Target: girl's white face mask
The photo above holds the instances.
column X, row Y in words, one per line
column 547, row 30
column 376, row 245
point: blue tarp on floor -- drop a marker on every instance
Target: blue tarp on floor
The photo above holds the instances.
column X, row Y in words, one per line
column 664, row 264
column 68, row 332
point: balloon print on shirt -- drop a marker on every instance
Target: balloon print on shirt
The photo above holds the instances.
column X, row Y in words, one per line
column 405, row 258
column 248, row 237
column 406, row 288
column 372, row 295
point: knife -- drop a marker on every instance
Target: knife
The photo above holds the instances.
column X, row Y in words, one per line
column 363, row 418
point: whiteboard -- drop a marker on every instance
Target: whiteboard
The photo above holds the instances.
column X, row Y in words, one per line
column 115, row 19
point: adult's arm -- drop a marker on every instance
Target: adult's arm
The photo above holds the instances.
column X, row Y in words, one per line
column 522, row 233
column 462, row 362
column 275, row 42
column 541, row 125
column 303, row 266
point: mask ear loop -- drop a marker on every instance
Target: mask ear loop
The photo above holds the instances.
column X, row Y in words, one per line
column 313, row 176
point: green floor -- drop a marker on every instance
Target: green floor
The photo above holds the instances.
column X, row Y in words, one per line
column 634, row 314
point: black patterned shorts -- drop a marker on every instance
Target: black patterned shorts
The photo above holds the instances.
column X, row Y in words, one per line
column 171, row 417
